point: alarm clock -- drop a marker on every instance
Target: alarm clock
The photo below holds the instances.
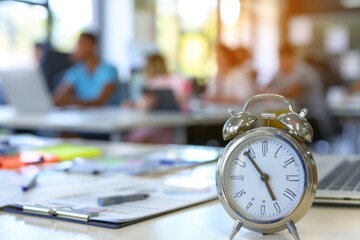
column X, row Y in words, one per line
column 266, row 177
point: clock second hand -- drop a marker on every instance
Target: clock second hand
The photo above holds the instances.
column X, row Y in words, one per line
column 263, row 176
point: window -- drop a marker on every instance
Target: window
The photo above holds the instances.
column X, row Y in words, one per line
column 69, row 19
column 21, row 25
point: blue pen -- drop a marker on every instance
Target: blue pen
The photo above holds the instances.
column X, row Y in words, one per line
column 30, row 183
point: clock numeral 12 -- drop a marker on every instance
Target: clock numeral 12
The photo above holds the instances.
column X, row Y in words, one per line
column 265, row 147
column 289, row 194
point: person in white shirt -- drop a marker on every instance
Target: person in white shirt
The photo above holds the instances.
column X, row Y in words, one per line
column 300, row 82
column 234, row 82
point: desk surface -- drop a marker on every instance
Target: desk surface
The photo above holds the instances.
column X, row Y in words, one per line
column 207, row 221
column 107, row 120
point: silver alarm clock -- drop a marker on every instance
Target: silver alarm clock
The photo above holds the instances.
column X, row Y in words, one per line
column 266, row 177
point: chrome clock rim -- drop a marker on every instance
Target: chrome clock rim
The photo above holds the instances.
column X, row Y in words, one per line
column 305, row 200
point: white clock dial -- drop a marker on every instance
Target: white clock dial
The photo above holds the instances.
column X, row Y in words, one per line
column 265, row 178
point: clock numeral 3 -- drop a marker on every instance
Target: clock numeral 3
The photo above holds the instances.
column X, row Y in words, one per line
column 288, row 162
column 239, row 194
column 262, row 211
column 248, row 206
column 289, row 194
column 292, row 178
column 277, row 207
column 264, row 147
column 240, row 163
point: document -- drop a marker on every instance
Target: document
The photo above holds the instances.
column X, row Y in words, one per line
column 79, row 193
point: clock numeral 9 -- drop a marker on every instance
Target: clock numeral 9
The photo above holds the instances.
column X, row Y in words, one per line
column 237, row 177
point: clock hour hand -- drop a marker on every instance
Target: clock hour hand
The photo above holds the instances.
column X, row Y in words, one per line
column 265, row 179
column 263, row 176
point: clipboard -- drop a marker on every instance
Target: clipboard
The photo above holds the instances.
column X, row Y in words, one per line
column 82, row 217
column 79, row 203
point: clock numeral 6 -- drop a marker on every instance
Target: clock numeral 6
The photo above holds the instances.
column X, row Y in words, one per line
column 262, row 211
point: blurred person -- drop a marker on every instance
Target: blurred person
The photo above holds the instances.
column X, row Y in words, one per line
column 354, row 89
column 90, row 82
column 158, row 77
column 234, row 82
column 52, row 63
column 301, row 83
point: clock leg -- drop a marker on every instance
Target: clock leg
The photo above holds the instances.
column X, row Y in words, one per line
column 236, row 228
column 292, row 229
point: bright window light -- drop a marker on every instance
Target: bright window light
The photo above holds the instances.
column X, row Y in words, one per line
column 193, row 14
column 229, row 11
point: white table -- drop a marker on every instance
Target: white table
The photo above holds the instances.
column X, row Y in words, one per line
column 207, row 221
column 110, row 120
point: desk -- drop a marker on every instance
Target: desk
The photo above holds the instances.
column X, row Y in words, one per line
column 110, row 120
column 208, row 221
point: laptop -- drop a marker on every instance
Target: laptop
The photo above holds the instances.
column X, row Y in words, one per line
column 165, row 100
column 26, row 90
column 339, row 180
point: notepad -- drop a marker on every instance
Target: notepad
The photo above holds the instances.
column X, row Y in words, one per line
column 70, row 151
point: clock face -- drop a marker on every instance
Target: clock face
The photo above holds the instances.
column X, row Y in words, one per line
column 265, row 178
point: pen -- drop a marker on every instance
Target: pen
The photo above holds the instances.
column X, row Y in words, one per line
column 112, row 200
column 30, row 184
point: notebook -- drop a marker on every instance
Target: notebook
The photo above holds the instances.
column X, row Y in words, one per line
column 69, row 151
column 339, row 180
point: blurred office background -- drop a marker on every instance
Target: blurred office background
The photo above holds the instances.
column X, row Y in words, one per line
column 324, row 33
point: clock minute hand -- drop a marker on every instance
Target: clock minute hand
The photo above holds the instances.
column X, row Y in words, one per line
column 263, row 176
column 253, row 162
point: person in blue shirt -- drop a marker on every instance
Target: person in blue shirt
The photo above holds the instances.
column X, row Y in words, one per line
column 90, row 82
